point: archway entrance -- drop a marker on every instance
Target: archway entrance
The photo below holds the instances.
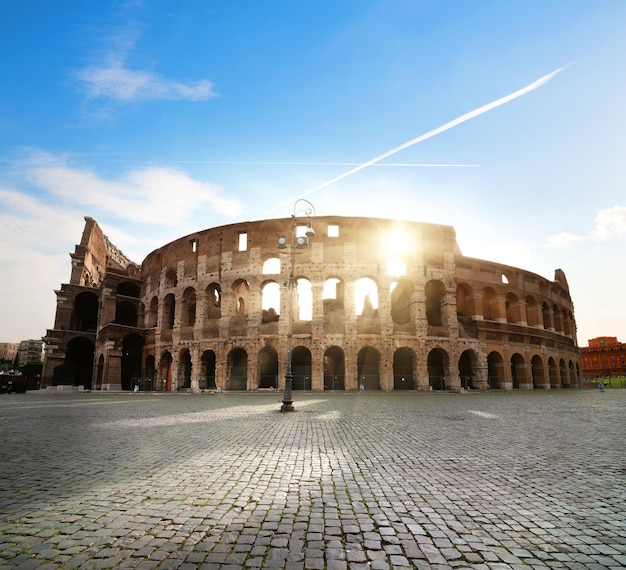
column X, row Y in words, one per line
column 301, row 368
column 132, row 348
column 437, row 364
column 207, row 379
column 467, row 365
column 334, row 371
column 268, row 368
column 369, row 368
column 403, row 369
column 495, row 370
column 237, row 370
column 77, row 369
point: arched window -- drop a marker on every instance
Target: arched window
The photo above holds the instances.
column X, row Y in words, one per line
column 152, row 316
column 241, row 289
column 271, row 266
column 435, row 292
column 189, row 307
column 401, row 302
column 213, row 301
column 490, row 304
column 513, row 313
column 169, row 311
column 366, row 297
column 304, row 299
column 270, row 302
column 332, row 295
column 171, row 279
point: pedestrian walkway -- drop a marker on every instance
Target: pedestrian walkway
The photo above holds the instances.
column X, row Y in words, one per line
column 348, row 481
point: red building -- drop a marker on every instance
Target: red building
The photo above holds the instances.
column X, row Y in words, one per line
column 604, row 356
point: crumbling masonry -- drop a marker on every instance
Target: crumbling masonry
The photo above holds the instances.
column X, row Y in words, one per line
column 211, row 311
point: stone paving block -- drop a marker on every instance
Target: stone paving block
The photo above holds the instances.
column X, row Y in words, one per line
column 437, row 500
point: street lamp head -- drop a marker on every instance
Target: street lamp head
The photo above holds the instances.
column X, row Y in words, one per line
column 282, row 242
column 310, row 232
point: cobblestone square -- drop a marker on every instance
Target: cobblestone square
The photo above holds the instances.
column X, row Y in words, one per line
column 349, row 481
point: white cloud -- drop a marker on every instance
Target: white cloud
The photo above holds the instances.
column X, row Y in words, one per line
column 564, row 239
column 609, row 223
column 111, row 78
column 121, row 84
column 162, row 196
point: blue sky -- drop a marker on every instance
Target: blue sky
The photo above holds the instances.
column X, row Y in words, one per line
column 162, row 118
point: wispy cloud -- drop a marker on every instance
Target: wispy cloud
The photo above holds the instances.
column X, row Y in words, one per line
column 163, row 196
column 110, row 78
column 121, row 84
column 608, row 223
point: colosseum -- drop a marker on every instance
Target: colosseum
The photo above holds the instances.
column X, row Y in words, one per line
column 339, row 303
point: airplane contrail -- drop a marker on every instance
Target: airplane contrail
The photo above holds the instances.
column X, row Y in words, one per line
column 459, row 120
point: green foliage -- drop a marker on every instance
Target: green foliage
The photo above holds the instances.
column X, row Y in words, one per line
column 32, row 369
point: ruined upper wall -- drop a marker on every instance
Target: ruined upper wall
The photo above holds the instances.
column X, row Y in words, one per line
column 95, row 255
column 362, row 240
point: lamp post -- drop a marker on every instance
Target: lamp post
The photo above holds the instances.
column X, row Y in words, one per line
column 298, row 242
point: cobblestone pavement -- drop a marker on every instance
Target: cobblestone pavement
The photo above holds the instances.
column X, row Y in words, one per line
column 356, row 481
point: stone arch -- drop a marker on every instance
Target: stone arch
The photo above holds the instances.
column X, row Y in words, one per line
column 132, row 351
column 563, row 374
column 438, row 363
column 435, row 293
column 333, row 295
column 491, row 310
column 553, row 373
column 547, row 316
column 241, row 289
column 495, row 370
column 188, row 313
column 518, row 371
column 366, row 297
column 268, row 367
column 208, row 364
column 533, row 312
column 464, row 300
column 153, row 313
column 513, row 309
column 567, row 323
column 237, row 369
column 183, row 380
column 77, row 367
column 169, row 311
column 404, row 366
column 270, row 301
column 171, row 278
column 126, row 313
column 334, row 369
column 401, row 302
column 538, row 372
column 129, row 289
column 573, row 379
column 165, row 372
column 368, row 364
column 213, row 301
column 304, row 299
column 271, row 266
column 85, row 313
column 301, row 367
column 468, row 369
column 557, row 319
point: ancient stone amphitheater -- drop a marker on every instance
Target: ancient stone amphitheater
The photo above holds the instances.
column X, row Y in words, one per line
column 363, row 303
